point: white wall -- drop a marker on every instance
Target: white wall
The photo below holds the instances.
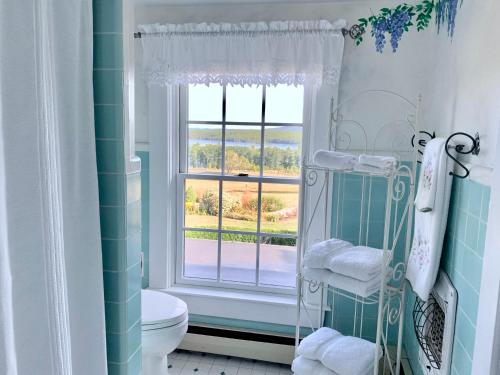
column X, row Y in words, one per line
column 405, row 72
column 465, row 81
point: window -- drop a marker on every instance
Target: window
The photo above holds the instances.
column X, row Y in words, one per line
column 239, row 179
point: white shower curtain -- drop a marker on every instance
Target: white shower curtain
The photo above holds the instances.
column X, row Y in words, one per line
column 52, row 304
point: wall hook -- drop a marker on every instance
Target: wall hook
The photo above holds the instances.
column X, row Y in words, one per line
column 422, row 142
column 473, row 149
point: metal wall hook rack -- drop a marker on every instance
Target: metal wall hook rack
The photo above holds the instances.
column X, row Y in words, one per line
column 422, row 141
column 473, row 148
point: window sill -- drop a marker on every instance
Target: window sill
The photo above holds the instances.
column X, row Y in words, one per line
column 241, row 305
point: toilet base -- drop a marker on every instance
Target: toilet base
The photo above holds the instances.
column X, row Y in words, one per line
column 154, row 365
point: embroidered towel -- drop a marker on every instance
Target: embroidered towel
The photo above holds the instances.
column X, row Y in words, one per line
column 430, row 227
column 317, row 255
column 334, row 160
column 359, row 262
column 382, row 162
column 434, row 154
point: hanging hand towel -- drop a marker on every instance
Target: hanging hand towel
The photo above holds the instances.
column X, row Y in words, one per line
column 349, row 355
column 428, row 182
column 360, row 288
column 382, row 162
column 313, row 346
column 334, row 160
column 304, row 366
column 318, row 254
column 430, row 227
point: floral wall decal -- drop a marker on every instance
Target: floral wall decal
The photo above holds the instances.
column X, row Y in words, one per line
column 394, row 22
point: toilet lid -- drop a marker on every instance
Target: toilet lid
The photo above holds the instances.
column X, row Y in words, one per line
column 160, row 310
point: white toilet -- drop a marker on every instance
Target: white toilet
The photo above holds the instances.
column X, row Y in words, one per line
column 164, row 325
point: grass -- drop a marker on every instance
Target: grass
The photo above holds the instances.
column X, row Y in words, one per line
column 288, row 194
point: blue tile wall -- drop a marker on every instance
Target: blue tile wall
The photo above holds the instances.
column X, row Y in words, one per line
column 119, row 196
column 358, row 216
column 462, row 260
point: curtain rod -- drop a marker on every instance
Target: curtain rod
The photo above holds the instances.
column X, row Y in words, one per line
column 353, row 32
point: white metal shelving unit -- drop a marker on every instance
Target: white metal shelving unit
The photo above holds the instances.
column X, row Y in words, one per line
column 347, row 135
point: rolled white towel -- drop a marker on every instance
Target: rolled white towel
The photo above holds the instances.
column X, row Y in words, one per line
column 382, row 162
column 334, row 160
column 318, row 255
column 349, row 355
column 304, row 366
column 311, row 347
column 359, row 262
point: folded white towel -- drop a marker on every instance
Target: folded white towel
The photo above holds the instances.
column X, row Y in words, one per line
column 334, row 160
column 359, row 262
column 368, row 169
column 434, row 154
column 349, row 355
column 313, row 346
column 318, row 255
column 382, row 162
column 304, row 366
column 360, row 288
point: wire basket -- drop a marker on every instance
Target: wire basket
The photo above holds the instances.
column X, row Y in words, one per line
column 428, row 321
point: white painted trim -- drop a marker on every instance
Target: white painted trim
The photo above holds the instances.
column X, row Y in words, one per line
column 261, row 351
column 242, row 305
column 487, row 345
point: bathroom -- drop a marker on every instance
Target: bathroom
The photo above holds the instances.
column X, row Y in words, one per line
column 161, row 188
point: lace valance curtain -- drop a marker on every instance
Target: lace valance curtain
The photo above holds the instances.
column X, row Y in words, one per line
column 285, row 52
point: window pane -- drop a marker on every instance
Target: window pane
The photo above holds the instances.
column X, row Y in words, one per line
column 205, row 103
column 244, row 104
column 200, row 255
column 278, row 257
column 284, row 104
column 238, row 258
column 282, row 150
column 239, row 206
column 201, row 204
column 242, row 150
column 280, row 204
column 204, row 148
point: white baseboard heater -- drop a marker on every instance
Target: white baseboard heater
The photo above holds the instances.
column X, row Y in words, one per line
column 239, row 343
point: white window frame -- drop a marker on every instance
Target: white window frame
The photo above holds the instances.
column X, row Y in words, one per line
column 183, row 175
column 163, row 119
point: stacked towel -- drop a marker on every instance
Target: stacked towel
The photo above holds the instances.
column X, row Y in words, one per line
column 356, row 269
column 320, row 253
column 326, row 351
column 381, row 162
column 304, row 366
column 334, row 160
column 360, row 262
column 360, row 288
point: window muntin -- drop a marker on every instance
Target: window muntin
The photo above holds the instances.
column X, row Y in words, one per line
column 240, row 180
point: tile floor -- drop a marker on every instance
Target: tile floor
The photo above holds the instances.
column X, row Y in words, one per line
column 182, row 362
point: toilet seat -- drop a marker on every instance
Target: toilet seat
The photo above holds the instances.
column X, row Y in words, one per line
column 160, row 310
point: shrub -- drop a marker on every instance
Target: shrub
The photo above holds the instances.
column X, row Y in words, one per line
column 190, row 195
column 269, row 203
column 209, row 203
